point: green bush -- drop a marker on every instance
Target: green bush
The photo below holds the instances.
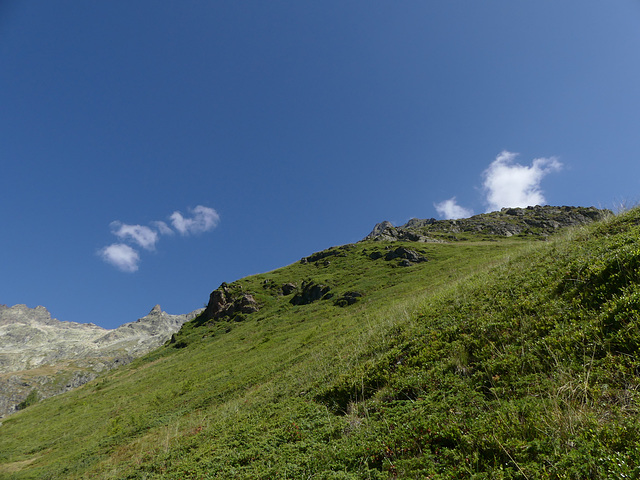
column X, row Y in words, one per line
column 33, row 397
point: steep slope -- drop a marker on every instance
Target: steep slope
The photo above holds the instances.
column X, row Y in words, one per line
column 507, row 358
column 42, row 356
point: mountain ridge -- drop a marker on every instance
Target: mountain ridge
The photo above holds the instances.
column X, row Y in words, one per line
column 73, row 353
column 540, row 221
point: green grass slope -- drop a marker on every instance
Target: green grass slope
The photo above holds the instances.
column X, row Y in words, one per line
column 493, row 359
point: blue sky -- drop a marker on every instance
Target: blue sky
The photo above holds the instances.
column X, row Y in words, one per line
column 151, row 150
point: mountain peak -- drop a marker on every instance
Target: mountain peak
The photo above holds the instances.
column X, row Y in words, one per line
column 31, row 341
column 22, row 314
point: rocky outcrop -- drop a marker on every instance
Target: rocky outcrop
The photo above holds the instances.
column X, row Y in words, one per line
column 310, row 292
column 540, row 221
column 407, row 256
column 325, row 254
column 347, row 298
column 288, row 288
column 41, row 353
column 229, row 302
column 385, row 231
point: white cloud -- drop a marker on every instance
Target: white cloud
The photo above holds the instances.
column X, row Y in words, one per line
column 510, row 184
column 163, row 228
column 203, row 219
column 143, row 236
column 121, row 256
column 449, row 209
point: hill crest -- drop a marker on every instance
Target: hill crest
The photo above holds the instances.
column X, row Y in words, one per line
column 534, row 221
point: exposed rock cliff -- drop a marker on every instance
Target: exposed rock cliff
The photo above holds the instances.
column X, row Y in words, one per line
column 41, row 353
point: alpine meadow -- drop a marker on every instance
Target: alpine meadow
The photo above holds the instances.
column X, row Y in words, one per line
column 504, row 346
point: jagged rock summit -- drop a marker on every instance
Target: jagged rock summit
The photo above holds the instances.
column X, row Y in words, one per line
column 51, row 356
column 538, row 220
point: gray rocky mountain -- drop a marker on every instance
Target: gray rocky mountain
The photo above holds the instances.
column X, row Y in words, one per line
column 42, row 354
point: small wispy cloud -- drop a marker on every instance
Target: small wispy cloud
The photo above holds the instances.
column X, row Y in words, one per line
column 449, row 209
column 121, row 256
column 126, row 258
column 509, row 184
column 143, row 236
column 162, row 228
column 202, row 219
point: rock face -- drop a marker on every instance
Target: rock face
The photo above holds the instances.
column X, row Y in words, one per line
column 40, row 353
column 530, row 221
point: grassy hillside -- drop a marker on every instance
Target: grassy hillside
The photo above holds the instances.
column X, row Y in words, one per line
column 492, row 359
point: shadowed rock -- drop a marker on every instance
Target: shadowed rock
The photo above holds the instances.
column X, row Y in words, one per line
column 288, row 288
column 311, row 292
column 347, row 298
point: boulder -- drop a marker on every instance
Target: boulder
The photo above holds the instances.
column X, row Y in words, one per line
column 288, row 288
